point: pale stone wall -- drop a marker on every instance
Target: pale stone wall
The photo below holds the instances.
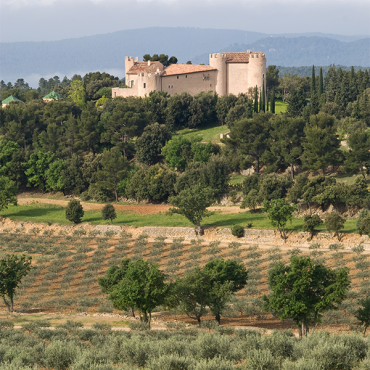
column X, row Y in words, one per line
column 193, row 83
column 218, row 61
column 237, row 78
column 257, row 70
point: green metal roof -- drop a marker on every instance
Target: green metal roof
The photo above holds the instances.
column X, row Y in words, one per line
column 53, row 95
column 9, row 99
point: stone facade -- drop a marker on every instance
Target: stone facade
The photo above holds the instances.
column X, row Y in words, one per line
column 227, row 73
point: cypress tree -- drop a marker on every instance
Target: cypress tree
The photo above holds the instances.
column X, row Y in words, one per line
column 260, row 101
column 313, row 81
column 267, row 104
column 273, row 100
column 263, row 97
column 321, row 83
column 256, row 100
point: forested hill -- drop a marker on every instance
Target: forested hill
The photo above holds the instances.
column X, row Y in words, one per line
column 306, row 51
column 106, row 52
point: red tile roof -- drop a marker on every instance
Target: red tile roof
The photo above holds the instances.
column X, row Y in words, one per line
column 241, row 57
column 178, row 69
column 143, row 67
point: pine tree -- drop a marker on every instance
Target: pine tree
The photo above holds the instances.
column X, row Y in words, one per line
column 256, row 100
column 263, row 97
column 273, row 100
column 321, row 83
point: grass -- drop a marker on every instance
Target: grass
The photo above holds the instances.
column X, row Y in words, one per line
column 237, row 179
column 56, row 214
column 280, row 107
column 208, row 134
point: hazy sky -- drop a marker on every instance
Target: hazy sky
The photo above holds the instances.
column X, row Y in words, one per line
column 45, row 20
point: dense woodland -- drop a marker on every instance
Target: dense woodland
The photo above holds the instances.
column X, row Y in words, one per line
column 103, row 148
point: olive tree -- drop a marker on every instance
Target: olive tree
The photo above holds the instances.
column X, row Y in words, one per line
column 12, row 269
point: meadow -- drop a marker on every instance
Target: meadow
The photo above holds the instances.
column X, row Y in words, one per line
column 52, row 214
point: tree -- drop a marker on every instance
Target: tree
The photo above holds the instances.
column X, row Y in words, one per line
column 334, row 222
column 192, row 291
column 263, row 97
column 74, row 211
column 251, row 136
column 114, row 168
column 296, row 103
column 227, row 277
column 357, row 156
column 149, row 145
column 279, row 211
column 37, row 166
column 125, row 121
column 321, row 147
column 113, row 277
column 252, row 200
column 363, row 313
column 12, row 269
column 193, row 203
column 255, row 100
column 143, row 286
column 177, row 152
column 77, row 93
column 109, row 213
column 363, row 222
column 321, row 84
column 272, row 104
column 272, row 78
column 8, row 192
column 310, row 223
column 303, row 290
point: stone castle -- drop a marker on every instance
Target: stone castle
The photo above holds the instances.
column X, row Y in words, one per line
column 227, row 73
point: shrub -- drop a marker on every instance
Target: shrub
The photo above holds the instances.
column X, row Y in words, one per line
column 139, row 326
column 171, row 362
column 60, row 355
column 106, row 307
column 237, row 231
column 74, row 211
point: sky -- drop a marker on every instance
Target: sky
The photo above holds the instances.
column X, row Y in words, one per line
column 47, row 20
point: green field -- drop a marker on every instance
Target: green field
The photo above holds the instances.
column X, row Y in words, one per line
column 207, row 134
column 280, row 107
column 56, row 214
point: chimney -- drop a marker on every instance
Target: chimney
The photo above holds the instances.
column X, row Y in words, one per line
column 248, row 51
column 148, row 62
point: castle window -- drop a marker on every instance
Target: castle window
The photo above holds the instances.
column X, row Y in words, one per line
column 186, row 76
column 210, row 85
column 263, row 75
column 144, row 85
column 177, row 77
column 169, row 86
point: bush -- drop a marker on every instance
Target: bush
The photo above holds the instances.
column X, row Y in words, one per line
column 60, row 355
column 108, row 212
column 74, row 211
column 237, row 231
column 252, row 200
column 171, row 362
column 310, row 223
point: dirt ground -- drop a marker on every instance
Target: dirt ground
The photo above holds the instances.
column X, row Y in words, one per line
column 141, row 209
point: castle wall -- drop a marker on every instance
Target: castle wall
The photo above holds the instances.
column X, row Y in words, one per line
column 237, row 78
column 257, row 70
column 218, row 61
column 193, row 83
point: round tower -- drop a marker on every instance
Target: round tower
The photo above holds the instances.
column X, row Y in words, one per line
column 218, row 61
column 257, row 70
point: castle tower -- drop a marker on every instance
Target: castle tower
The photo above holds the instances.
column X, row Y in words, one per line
column 129, row 62
column 257, row 70
column 218, row 61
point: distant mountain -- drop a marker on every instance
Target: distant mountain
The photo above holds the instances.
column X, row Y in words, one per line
column 106, row 52
column 305, row 51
